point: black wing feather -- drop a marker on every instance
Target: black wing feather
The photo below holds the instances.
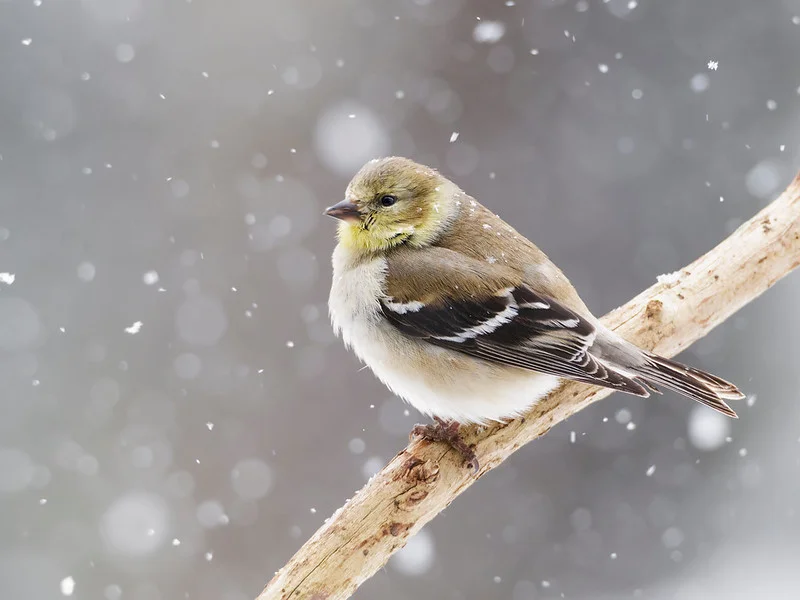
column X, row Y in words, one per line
column 515, row 327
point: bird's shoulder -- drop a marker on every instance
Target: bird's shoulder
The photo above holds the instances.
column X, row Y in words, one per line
column 436, row 275
column 482, row 250
column 479, row 233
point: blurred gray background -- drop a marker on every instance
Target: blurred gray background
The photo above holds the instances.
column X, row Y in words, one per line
column 176, row 417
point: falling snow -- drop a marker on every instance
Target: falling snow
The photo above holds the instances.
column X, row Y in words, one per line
column 134, row 328
column 176, row 409
column 417, row 557
column 488, row 32
column 707, row 429
column 67, row 586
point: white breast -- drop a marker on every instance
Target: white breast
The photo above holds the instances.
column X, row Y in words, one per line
column 355, row 292
column 436, row 381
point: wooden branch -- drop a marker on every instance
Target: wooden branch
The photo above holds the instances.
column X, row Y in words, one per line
column 425, row 478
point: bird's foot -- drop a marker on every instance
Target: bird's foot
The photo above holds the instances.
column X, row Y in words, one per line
column 447, row 432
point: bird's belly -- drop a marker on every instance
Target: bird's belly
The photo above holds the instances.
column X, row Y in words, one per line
column 443, row 383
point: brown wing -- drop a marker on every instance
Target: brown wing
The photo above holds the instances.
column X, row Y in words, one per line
column 485, row 312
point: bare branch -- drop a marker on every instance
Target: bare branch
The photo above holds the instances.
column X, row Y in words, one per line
column 425, row 478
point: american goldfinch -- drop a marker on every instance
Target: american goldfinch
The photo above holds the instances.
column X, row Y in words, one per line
column 463, row 317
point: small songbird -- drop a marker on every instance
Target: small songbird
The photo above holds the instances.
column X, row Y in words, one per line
column 466, row 319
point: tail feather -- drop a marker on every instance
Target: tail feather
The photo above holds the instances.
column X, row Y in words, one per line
column 698, row 385
column 651, row 386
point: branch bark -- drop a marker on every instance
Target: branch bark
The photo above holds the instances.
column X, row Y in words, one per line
column 425, row 478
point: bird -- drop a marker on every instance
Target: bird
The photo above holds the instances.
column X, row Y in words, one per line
column 466, row 319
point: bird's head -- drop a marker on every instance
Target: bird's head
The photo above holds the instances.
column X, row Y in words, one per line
column 393, row 201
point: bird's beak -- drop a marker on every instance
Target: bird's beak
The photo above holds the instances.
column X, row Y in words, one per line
column 344, row 210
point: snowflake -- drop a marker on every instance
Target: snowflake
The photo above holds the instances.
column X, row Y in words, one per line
column 713, row 64
column 134, row 329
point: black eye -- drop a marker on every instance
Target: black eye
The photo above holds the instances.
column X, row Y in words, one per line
column 388, row 200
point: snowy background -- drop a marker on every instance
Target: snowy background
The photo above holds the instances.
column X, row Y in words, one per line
column 176, row 417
